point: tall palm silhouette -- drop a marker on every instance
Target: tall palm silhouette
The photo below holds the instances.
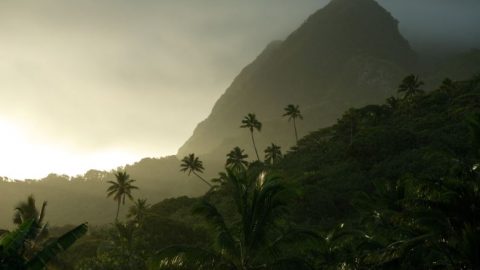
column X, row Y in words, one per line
column 121, row 189
column 236, row 159
column 273, row 154
column 293, row 112
column 411, row 87
column 250, row 121
column 193, row 164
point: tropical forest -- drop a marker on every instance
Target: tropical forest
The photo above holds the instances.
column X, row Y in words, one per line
column 352, row 143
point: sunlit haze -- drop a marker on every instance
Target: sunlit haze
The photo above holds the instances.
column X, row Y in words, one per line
column 99, row 84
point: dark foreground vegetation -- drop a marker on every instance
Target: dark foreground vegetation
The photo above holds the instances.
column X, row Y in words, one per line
column 392, row 186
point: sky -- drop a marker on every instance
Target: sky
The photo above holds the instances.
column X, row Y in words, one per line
column 96, row 84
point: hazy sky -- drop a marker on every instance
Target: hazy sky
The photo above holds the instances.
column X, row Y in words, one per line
column 100, row 83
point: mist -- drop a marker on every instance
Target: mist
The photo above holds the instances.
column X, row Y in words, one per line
column 85, row 80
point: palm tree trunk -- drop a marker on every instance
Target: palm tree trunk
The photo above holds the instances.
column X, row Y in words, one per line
column 118, row 209
column 254, row 146
column 295, row 127
column 201, row 178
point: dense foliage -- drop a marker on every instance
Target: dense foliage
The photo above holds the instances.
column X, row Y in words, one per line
column 392, row 186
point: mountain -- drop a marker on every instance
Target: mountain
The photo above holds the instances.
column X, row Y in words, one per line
column 348, row 54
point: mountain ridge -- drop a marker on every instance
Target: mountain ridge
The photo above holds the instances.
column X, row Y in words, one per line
column 336, row 44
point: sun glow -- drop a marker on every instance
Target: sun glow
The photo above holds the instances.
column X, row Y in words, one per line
column 23, row 157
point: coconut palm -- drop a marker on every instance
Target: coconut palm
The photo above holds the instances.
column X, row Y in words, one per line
column 249, row 244
column 236, row 159
column 121, row 189
column 411, row 86
column 273, row 153
column 250, row 121
column 139, row 210
column 293, row 112
column 193, row 164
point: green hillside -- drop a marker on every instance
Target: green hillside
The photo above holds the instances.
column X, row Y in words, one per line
column 391, row 186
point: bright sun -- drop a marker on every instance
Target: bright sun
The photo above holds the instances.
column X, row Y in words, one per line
column 23, row 157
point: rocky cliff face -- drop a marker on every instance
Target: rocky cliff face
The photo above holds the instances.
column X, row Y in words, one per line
column 349, row 53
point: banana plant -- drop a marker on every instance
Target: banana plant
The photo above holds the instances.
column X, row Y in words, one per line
column 12, row 247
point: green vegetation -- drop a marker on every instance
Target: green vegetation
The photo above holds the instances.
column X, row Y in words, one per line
column 293, row 112
column 411, row 87
column 236, row 159
column 250, row 121
column 389, row 186
column 27, row 247
column 26, row 211
column 393, row 186
column 273, row 154
column 255, row 241
column 121, row 189
column 193, row 164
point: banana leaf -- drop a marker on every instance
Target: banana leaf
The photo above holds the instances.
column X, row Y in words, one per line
column 12, row 242
column 40, row 260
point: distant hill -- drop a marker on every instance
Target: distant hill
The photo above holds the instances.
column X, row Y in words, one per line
column 72, row 200
column 348, row 54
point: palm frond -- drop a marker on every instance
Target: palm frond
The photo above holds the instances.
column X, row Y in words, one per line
column 224, row 240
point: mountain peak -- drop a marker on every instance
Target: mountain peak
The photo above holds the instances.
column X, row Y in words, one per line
column 350, row 53
column 355, row 26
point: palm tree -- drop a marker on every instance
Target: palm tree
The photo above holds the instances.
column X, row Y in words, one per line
column 249, row 244
column 250, row 121
column 121, row 189
column 411, row 87
column 236, row 159
column 448, row 87
column 138, row 211
column 26, row 211
column 393, row 103
column 293, row 112
column 273, row 153
column 193, row 164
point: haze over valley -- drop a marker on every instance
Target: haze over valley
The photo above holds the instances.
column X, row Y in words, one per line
column 239, row 135
column 96, row 85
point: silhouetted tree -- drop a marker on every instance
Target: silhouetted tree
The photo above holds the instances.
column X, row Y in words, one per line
column 273, row 153
column 411, row 87
column 293, row 112
column 14, row 256
column 193, row 164
column 121, row 189
column 393, row 103
column 448, row 87
column 250, row 121
column 139, row 210
column 236, row 159
column 26, row 211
